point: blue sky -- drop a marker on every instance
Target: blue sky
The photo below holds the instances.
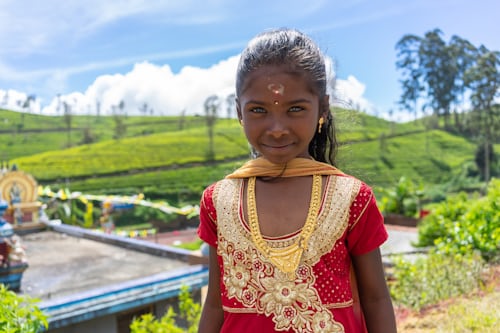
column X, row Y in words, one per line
column 173, row 54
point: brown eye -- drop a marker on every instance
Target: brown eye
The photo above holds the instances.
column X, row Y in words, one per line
column 257, row 110
column 296, row 109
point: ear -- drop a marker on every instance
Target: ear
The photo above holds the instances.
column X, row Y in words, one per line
column 324, row 107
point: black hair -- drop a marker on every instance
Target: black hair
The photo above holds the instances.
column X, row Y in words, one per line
column 293, row 48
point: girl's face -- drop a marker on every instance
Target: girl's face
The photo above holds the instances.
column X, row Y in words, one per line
column 279, row 113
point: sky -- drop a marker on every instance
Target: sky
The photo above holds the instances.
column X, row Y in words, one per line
column 168, row 56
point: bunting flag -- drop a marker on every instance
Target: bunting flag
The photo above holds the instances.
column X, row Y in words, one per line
column 131, row 233
column 118, row 202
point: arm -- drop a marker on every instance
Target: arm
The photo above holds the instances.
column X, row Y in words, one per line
column 373, row 293
column 212, row 315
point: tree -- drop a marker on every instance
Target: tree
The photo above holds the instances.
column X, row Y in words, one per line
column 211, row 105
column 465, row 55
column 439, row 73
column 26, row 107
column 97, row 108
column 5, row 100
column 230, row 104
column 484, row 158
column 182, row 119
column 28, row 103
column 408, row 61
column 143, row 109
column 68, row 118
column 88, row 136
column 483, row 78
column 121, row 106
column 120, row 126
column 432, row 66
column 59, row 103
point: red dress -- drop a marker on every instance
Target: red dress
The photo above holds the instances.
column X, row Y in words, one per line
column 256, row 296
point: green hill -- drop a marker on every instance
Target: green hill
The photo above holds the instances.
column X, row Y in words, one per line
column 24, row 134
column 167, row 159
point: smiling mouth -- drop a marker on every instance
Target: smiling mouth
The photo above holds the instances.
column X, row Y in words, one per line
column 278, row 146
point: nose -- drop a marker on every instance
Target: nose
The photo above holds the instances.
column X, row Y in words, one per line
column 277, row 127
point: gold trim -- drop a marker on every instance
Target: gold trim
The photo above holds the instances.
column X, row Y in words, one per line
column 339, row 305
column 362, row 212
column 287, row 258
column 239, row 310
column 254, row 310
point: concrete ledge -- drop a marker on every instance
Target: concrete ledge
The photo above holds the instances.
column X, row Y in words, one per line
column 128, row 243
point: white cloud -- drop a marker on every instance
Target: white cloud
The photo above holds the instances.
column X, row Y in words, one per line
column 163, row 91
column 16, row 100
column 349, row 94
column 168, row 93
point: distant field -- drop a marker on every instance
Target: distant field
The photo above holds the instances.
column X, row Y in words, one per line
column 167, row 156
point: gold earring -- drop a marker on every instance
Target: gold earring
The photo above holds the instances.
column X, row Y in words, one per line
column 321, row 121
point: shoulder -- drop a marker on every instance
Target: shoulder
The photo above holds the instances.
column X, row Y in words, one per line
column 209, row 190
column 365, row 193
column 359, row 190
column 212, row 192
column 362, row 196
column 362, row 190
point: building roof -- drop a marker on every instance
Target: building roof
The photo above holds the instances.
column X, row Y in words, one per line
column 61, row 265
column 80, row 274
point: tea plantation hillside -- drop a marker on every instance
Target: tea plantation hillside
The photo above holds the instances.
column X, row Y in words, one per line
column 166, row 157
column 24, row 134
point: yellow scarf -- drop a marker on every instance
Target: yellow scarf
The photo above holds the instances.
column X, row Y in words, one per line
column 260, row 167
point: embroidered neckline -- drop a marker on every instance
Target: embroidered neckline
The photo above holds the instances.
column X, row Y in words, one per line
column 287, row 258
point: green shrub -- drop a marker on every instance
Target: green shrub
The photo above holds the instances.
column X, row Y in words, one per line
column 191, row 246
column 403, row 198
column 463, row 224
column 19, row 314
column 434, row 277
column 189, row 311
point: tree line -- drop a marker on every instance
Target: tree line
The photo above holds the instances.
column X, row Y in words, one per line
column 456, row 81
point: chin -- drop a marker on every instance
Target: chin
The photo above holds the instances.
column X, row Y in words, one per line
column 278, row 159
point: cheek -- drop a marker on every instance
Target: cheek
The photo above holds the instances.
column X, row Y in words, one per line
column 252, row 133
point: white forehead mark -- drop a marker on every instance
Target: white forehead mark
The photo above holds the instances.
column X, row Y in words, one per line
column 276, row 88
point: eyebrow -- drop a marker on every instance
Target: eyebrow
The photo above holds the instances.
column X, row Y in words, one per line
column 295, row 101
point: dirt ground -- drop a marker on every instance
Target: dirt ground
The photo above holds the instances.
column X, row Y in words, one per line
column 435, row 318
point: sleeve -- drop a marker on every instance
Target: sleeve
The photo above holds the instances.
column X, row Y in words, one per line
column 366, row 223
column 207, row 229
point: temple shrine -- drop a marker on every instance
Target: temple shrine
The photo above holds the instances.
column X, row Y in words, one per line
column 18, row 208
column 20, row 191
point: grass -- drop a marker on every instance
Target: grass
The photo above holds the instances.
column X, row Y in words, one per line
column 478, row 311
column 446, row 293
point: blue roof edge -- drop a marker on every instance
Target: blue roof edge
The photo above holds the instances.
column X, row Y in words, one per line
column 103, row 301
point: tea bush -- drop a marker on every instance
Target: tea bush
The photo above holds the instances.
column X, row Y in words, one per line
column 189, row 311
column 463, row 224
column 20, row 314
column 434, row 277
column 403, row 198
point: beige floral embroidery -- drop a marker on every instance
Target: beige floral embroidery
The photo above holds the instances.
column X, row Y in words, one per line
column 322, row 323
column 253, row 281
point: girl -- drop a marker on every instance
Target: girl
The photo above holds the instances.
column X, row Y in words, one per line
column 292, row 239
